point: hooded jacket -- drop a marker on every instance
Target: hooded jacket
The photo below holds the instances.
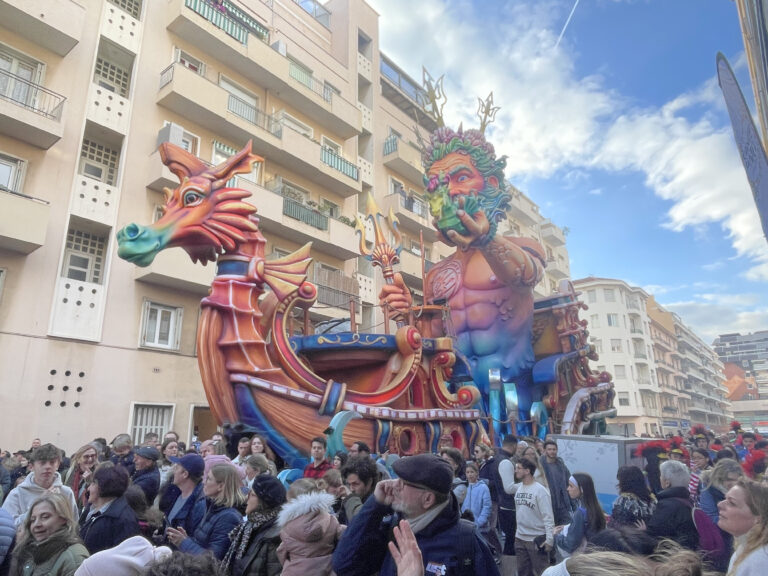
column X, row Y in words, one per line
column 309, row 534
column 21, row 498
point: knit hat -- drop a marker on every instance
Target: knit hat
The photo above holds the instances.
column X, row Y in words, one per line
column 425, row 471
column 269, row 490
column 129, row 558
column 192, row 463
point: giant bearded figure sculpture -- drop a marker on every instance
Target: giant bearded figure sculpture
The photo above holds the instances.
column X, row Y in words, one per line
column 488, row 282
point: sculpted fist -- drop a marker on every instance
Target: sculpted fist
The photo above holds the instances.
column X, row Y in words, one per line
column 396, row 296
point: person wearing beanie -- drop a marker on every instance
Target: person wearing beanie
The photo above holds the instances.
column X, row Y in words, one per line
column 129, row 558
column 422, row 495
column 253, row 551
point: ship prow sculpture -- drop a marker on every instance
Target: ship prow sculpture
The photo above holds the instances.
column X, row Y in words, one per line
column 399, row 392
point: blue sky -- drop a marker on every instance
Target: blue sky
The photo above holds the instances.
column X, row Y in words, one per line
column 619, row 133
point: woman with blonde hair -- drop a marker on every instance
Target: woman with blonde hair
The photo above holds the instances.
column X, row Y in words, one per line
column 224, row 501
column 80, row 474
column 744, row 515
column 48, row 542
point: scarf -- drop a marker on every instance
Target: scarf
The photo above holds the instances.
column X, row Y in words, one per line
column 242, row 533
column 421, row 522
column 52, row 546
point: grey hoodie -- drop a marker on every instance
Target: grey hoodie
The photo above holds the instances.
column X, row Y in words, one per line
column 20, row 499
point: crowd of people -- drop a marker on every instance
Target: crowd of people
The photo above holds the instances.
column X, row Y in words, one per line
column 699, row 505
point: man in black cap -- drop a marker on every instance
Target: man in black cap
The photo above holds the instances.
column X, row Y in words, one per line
column 422, row 495
column 146, row 475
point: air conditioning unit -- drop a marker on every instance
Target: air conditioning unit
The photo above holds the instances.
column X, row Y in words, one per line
column 280, row 47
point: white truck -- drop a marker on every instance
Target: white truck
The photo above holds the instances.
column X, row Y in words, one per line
column 600, row 457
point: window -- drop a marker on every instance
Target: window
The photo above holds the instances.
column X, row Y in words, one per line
column 615, row 345
column 623, row 398
column 146, row 418
column 613, row 320
column 158, row 212
column 190, row 142
column 620, row 371
column 594, row 321
column 18, row 75
column 592, row 296
column 329, row 208
column 329, row 90
column 295, row 124
column 601, row 369
column 395, row 134
column 161, row 326
column 190, row 62
column 331, row 145
column 84, row 256
column 112, row 77
column 11, row 173
column 598, row 344
column 294, row 192
column 99, row 161
column 610, row 295
column 241, row 102
column 396, row 187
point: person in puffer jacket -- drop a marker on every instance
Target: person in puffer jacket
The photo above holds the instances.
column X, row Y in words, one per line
column 7, row 538
column 308, row 530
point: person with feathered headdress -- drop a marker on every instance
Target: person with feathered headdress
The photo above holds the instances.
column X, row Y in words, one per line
column 654, row 452
column 677, row 450
column 755, row 465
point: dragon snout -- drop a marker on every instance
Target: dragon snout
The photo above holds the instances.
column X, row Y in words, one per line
column 139, row 244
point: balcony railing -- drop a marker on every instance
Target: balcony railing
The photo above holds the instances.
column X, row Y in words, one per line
column 316, row 10
column 305, row 77
column 217, row 15
column 255, row 116
column 414, row 205
column 305, row 214
column 405, row 84
column 634, row 330
column 329, row 157
column 641, row 355
column 336, row 289
column 31, row 96
column 249, row 23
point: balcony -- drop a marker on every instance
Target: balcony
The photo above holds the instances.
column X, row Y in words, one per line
column 29, row 112
column 410, row 268
column 195, row 97
column 556, row 269
column 404, row 159
column 406, row 94
column 364, row 68
column 637, row 331
column 336, row 290
column 640, row 357
column 284, row 216
column 56, row 25
column 552, row 234
column 174, row 269
column 23, row 222
column 413, row 214
column 228, row 37
column 523, row 209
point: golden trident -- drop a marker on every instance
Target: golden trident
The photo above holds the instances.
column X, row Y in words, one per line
column 383, row 254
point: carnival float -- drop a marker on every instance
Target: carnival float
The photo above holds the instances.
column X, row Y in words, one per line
column 478, row 359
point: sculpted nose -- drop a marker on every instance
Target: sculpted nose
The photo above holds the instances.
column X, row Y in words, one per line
column 132, row 231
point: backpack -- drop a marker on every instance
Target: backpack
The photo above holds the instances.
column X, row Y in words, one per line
column 711, row 541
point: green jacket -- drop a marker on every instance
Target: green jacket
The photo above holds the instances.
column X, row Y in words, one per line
column 63, row 564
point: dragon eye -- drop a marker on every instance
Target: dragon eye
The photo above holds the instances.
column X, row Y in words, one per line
column 192, row 198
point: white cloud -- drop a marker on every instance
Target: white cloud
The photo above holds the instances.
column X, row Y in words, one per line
column 596, row 192
column 710, row 319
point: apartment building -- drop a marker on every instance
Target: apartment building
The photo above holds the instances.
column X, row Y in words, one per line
column 674, row 397
column 620, row 330
column 92, row 345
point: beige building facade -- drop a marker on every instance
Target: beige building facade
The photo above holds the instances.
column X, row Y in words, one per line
column 93, row 346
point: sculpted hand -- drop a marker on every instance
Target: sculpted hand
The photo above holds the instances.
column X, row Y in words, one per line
column 396, row 296
column 406, row 553
column 477, row 226
column 385, row 491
